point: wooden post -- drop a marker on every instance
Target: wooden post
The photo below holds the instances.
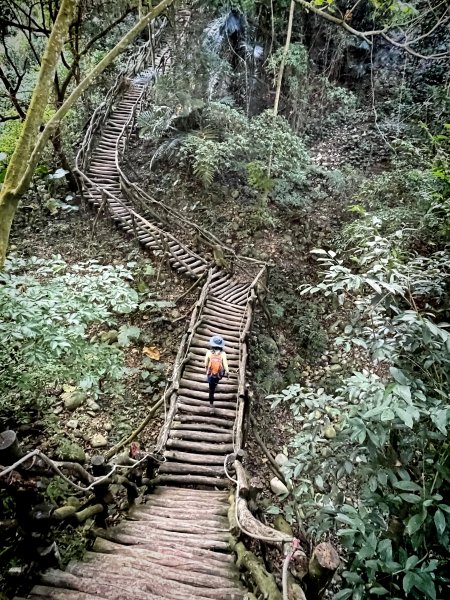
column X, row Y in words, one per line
column 10, row 450
column 322, row 566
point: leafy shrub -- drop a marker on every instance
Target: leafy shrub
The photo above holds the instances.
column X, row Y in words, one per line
column 372, row 460
column 46, row 309
column 313, row 100
column 401, row 187
column 222, row 139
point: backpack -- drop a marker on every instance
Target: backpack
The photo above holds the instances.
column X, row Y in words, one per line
column 215, row 365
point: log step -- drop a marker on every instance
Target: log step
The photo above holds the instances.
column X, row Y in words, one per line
column 203, row 447
column 189, row 457
column 187, row 469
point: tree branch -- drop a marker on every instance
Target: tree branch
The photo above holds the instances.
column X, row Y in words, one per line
column 106, row 30
column 12, row 118
column 367, row 35
column 12, row 90
column 55, row 121
column 18, row 25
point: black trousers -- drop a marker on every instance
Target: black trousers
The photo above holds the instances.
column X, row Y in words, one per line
column 213, row 381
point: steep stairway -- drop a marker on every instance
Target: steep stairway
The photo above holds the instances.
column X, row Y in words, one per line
column 177, row 545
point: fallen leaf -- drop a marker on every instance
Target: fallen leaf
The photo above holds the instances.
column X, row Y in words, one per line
column 152, row 352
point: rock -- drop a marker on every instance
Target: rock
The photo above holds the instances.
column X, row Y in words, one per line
column 73, row 400
column 98, row 441
column 109, row 336
column 72, row 452
column 335, row 368
column 74, row 501
column 73, row 423
column 334, row 360
column 92, row 405
column 235, row 194
column 281, row 459
column 329, row 432
column 175, row 313
column 58, row 410
column 278, row 487
column 107, row 426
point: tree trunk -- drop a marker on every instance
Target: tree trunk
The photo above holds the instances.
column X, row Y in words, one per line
column 9, row 198
column 322, row 566
column 283, row 58
column 28, row 151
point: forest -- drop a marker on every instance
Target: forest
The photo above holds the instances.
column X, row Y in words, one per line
column 273, row 175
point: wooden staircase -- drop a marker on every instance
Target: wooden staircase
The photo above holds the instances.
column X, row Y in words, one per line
column 177, row 545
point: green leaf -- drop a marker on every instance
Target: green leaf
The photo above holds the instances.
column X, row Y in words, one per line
column 379, row 591
column 404, row 392
column 411, row 562
column 411, row 498
column 352, row 577
column 415, row 523
column 387, row 415
column 405, row 417
column 408, row 582
column 273, row 510
column 425, row 584
column 440, row 521
column 399, row 376
column 407, row 486
column 127, row 333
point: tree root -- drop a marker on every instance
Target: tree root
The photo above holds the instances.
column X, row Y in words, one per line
column 264, row 581
column 127, row 440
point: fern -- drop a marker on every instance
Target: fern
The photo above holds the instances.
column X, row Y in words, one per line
column 205, row 156
column 155, row 123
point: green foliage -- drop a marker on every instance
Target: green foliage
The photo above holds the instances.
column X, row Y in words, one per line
column 257, row 176
column 372, row 459
column 314, row 100
column 400, row 187
column 222, row 139
column 46, row 309
column 9, row 134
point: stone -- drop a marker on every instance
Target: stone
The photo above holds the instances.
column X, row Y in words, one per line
column 281, row 459
column 334, row 360
column 58, row 410
column 107, row 426
column 72, row 424
column 329, row 432
column 235, row 194
column 109, row 336
column 72, row 452
column 73, row 400
column 92, row 405
column 98, row 441
column 278, row 487
column 335, row 368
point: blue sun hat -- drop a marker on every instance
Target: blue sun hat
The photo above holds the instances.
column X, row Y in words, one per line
column 216, row 341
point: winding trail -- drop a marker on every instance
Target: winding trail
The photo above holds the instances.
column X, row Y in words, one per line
column 177, row 545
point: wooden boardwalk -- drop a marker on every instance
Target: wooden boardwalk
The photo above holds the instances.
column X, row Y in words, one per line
column 177, row 545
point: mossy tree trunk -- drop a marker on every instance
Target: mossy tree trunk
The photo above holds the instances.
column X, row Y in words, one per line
column 19, row 161
column 29, row 147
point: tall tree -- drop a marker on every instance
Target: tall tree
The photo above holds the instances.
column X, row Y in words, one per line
column 30, row 146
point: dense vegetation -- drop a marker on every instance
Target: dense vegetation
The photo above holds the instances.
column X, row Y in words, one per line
column 345, row 192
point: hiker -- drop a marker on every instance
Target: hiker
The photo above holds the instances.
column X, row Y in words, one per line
column 216, row 365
